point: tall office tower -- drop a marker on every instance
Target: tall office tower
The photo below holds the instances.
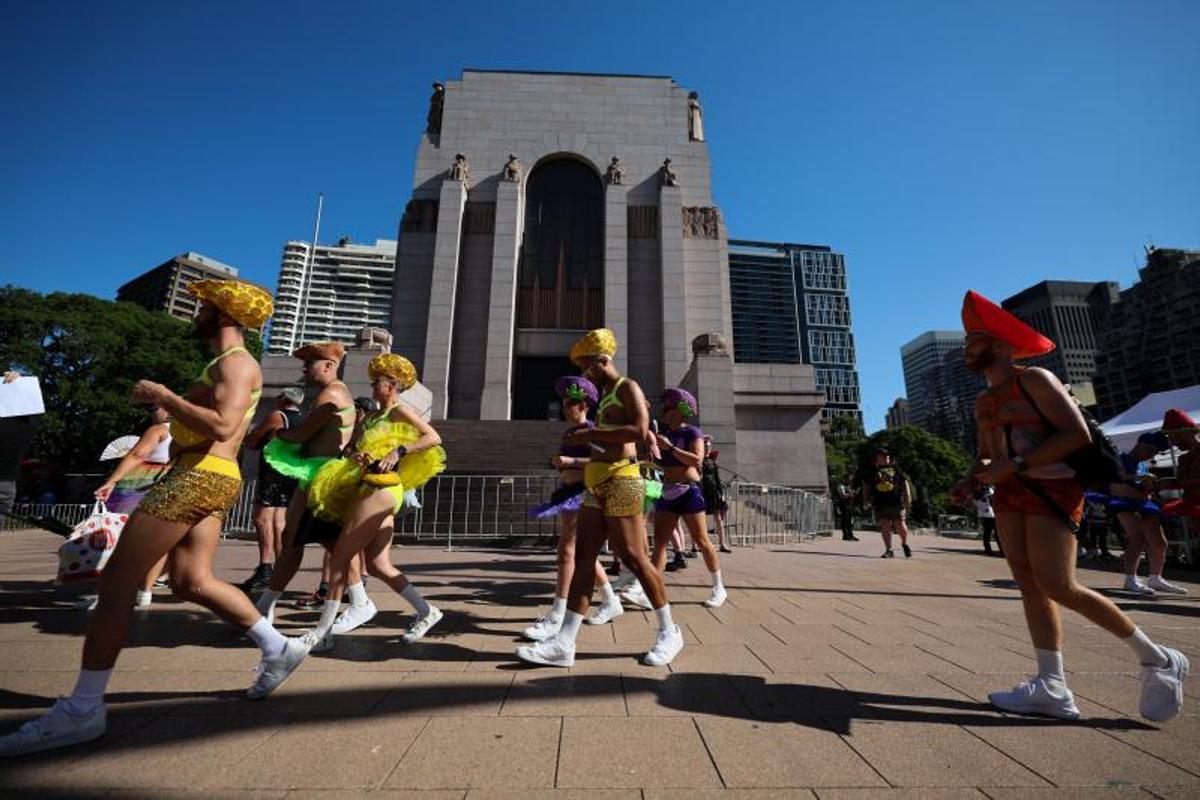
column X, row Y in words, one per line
column 897, row 414
column 164, row 288
column 941, row 390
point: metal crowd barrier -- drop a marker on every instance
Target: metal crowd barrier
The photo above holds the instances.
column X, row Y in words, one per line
column 495, row 507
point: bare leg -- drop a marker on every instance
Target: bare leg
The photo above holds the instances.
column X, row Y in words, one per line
column 719, row 527
column 288, row 559
column 566, row 553
column 665, row 530
column 696, row 528
column 379, row 562
column 590, row 534
column 1041, row 615
column 1156, row 543
column 192, row 577
column 885, row 528
column 902, row 528
column 278, row 523
column 264, row 528
column 627, row 536
column 363, row 524
column 154, row 572
column 1134, row 543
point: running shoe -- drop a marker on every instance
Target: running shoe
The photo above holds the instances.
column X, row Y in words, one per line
column 888, row 554
column 716, row 598
column 315, row 645
column 1157, row 584
column 623, row 581
column 275, row 670
column 725, row 549
column 677, row 563
column 1162, row 687
column 317, row 598
column 666, row 647
column 354, row 616
column 635, row 595
column 693, row 553
column 1036, row 695
column 907, row 550
column 162, row 583
column 259, row 580
column 55, row 728
column 545, row 627
column 605, row 613
column 553, row 652
column 1133, row 585
column 421, row 626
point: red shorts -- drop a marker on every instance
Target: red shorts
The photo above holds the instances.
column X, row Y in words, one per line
column 1014, row 496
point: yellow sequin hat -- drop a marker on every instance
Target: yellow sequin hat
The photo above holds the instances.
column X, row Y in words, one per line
column 397, row 368
column 250, row 305
column 600, row 342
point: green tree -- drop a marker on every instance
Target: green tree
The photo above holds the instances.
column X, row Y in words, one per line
column 843, row 440
column 932, row 463
column 87, row 353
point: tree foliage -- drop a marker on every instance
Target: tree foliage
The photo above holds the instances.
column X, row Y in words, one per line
column 88, row 352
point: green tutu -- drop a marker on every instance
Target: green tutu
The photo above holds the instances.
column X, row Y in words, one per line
column 284, row 458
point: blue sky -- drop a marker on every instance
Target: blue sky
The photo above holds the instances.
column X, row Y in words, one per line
column 940, row 146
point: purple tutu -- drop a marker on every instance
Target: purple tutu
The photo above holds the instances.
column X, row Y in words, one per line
column 564, row 498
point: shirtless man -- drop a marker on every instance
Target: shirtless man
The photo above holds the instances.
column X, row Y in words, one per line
column 612, row 506
column 181, row 515
column 299, row 452
column 1028, row 424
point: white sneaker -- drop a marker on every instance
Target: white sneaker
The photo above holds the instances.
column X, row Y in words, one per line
column 544, row 628
column 353, row 617
column 553, row 652
column 421, row 626
column 605, row 613
column 315, row 645
column 1083, row 553
column 87, row 602
column 624, row 580
column 144, row 599
column 635, row 595
column 55, row 728
column 717, row 598
column 1134, row 585
column 1157, row 584
column 666, row 647
column 1036, row 696
column 1094, row 553
column 1162, row 687
column 274, row 671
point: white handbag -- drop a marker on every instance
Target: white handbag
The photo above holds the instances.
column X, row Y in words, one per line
column 85, row 552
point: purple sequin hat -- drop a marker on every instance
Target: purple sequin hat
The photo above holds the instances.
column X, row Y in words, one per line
column 576, row 387
column 681, row 399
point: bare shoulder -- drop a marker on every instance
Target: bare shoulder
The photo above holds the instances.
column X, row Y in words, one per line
column 1039, row 379
column 403, row 412
column 239, row 367
column 630, row 388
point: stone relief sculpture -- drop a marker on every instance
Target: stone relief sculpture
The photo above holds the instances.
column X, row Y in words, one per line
column 667, row 176
column 459, row 171
column 433, row 121
column 512, row 170
column 695, row 118
column 701, row 222
column 615, row 174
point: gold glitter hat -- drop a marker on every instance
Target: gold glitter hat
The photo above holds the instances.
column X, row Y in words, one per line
column 600, row 342
column 394, row 367
column 250, row 305
column 321, row 351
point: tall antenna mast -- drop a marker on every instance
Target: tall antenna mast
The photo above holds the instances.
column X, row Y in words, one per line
column 305, row 279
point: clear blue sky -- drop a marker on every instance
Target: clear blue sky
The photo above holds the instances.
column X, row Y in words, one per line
column 940, row 146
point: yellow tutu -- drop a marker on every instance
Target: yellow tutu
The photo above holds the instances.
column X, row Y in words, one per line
column 339, row 483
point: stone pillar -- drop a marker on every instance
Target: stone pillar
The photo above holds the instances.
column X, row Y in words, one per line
column 496, row 402
column 710, row 379
column 443, row 286
column 674, row 289
column 616, row 269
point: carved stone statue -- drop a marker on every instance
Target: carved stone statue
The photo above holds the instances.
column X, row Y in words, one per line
column 695, row 118
column 701, row 222
column 667, row 176
column 512, row 170
column 459, row 171
column 433, row 121
column 615, row 174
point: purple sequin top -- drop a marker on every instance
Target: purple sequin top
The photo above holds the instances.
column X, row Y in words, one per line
column 682, row 438
column 577, row 450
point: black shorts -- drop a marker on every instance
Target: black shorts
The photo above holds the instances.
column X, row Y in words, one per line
column 714, row 500
column 274, row 490
column 316, row 531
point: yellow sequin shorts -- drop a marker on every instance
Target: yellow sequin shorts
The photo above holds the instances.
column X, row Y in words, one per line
column 618, row 489
column 197, row 487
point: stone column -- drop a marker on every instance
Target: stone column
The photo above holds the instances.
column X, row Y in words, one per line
column 496, row 402
column 616, row 269
column 674, row 290
column 444, row 284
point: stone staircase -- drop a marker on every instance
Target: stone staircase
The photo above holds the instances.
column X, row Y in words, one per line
column 499, row 447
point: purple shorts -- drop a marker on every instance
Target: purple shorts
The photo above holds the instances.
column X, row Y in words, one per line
column 681, row 498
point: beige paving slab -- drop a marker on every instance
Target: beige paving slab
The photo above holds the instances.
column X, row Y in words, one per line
column 728, row 794
column 1071, row 793
column 793, row 695
column 565, row 695
column 686, row 694
column 642, row 752
column 434, row 694
column 553, row 794
column 371, row 794
column 752, row 754
column 927, row 793
column 721, row 659
column 473, row 752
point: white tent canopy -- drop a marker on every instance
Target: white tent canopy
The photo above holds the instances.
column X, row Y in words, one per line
column 1147, row 415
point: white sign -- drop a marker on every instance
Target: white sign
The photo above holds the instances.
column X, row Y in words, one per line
column 21, row 398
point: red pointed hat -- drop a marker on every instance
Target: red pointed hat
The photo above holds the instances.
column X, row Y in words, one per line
column 980, row 315
column 1177, row 420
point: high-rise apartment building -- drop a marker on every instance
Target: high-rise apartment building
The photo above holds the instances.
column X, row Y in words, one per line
column 1150, row 339
column 897, row 414
column 791, row 305
column 331, row 292
column 164, row 288
column 941, row 390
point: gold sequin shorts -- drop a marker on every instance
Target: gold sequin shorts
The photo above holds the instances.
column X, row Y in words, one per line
column 197, row 487
column 617, row 497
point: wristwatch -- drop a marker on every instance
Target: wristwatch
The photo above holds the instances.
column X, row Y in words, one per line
column 1020, row 463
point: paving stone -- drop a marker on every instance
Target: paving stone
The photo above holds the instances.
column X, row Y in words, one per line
column 645, row 752
column 464, row 752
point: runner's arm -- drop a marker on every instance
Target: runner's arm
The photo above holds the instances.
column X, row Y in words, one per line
column 137, row 454
column 325, row 405
column 231, row 398
column 258, row 437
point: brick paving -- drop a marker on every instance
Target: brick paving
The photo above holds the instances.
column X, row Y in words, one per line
column 829, row 673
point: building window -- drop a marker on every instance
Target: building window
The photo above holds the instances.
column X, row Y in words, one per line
column 831, row 347
column 830, row 310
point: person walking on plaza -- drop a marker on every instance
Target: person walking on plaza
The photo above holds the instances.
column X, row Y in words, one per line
column 843, row 505
column 682, row 449
column 1028, row 426
column 982, row 498
column 392, row 452
column 886, row 489
column 715, row 503
column 180, row 515
column 1184, row 434
column 273, row 491
column 613, row 506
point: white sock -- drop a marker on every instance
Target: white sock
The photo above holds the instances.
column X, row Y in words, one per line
column 606, row 594
column 1148, row 653
column 559, row 608
column 89, row 691
column 144, row 598
column 664, row 617
column 358, row 594
column 716, row 579
column 267, row 600
column 415, row 600
column 1050, row 665
column 570, row 626
column 269, row 640
column 329, row 612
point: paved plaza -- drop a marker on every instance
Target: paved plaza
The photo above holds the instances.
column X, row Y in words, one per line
column 829, row 672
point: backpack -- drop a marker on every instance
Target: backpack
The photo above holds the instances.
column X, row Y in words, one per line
column 1096, row 464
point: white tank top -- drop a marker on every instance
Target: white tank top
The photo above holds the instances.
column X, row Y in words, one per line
column 161, row 454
